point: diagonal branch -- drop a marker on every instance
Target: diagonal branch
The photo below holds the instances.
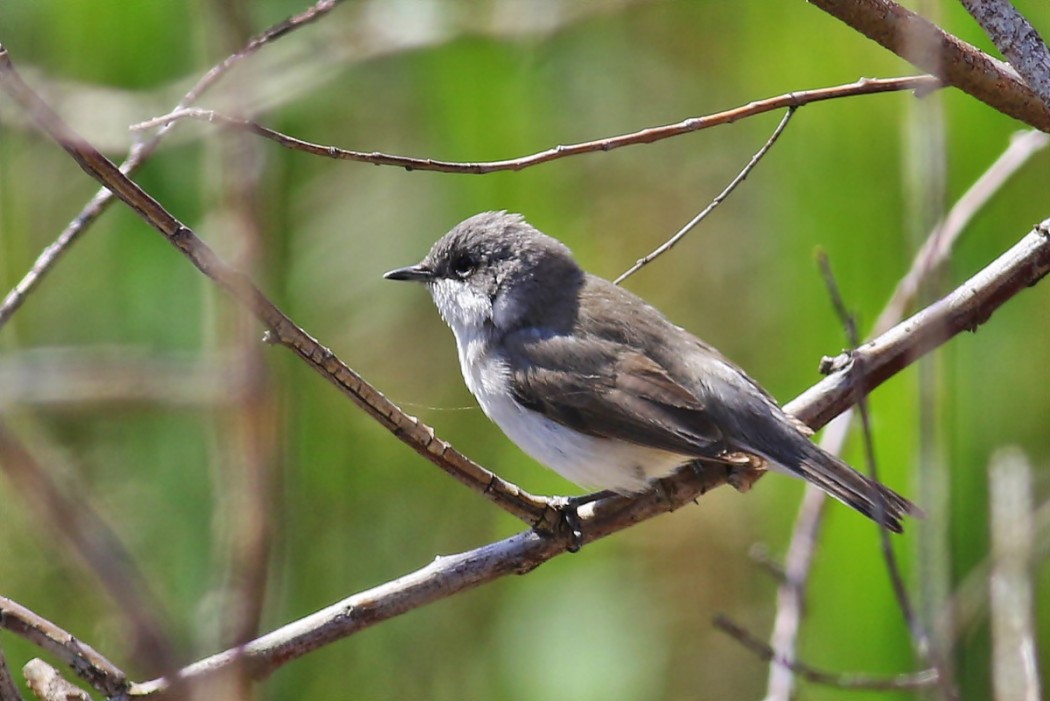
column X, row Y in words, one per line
column 965, row 309
column 1017, row 39
column 141, row 152
column 81, row 657
column 932, row 254
column 928, row 47
column 532, row 510
column 939, row 243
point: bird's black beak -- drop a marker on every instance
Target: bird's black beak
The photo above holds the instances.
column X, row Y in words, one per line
column 418, row 272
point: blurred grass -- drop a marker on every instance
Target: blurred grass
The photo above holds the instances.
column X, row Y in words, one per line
column 627, row 618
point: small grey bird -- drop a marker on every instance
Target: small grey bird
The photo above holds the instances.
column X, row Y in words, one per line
column 591, row 381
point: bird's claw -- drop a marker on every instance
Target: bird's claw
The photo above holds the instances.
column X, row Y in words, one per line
column 568, row 509
column 568, row 517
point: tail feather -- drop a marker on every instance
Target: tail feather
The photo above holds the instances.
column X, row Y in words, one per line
column 876, row 501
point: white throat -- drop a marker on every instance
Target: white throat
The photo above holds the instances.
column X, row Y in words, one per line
column 469, row 314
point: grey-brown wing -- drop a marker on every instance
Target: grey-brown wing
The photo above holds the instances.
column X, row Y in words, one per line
column 610, row 391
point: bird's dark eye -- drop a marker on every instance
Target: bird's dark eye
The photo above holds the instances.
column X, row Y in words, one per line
column 463, row 265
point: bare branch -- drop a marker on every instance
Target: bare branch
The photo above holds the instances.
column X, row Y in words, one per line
column 671, row 242
column 921, row 85
column 141, row 152
column 939, row 243
column 532, row 510
column 89, row 665
column 1017, row 39
column 311, row 14
column 966, row 308
column 918, row 680
column 928, row 47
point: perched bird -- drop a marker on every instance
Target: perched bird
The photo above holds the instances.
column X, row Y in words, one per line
column 593, row 382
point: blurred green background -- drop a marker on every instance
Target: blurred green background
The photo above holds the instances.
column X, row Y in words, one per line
column 627, row 618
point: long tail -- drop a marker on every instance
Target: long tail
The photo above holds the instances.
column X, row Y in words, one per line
column 876, row 501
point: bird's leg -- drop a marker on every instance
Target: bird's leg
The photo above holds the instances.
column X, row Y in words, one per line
column 568, row 512
column 568, row 509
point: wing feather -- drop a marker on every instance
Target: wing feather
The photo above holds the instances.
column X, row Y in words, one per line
column 623, row 395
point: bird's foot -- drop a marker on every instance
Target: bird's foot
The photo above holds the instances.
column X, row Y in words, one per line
column 568, row 509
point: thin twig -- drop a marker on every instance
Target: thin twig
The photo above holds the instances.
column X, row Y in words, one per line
column 967, row 306
column 938, row 245
column 140, row 153
column 534, row 511
column 916, row 680
column 920, row 636
column 1018, row 41
column 930, row 48
column 849, row 324
column 89, row 664
column 671, row 242
column 921, row 84
column 914, row 337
